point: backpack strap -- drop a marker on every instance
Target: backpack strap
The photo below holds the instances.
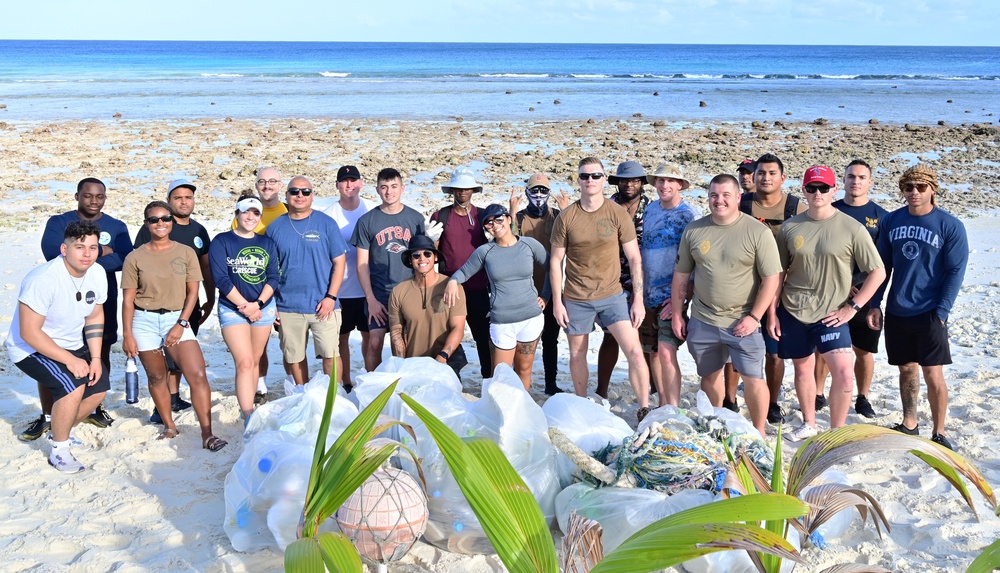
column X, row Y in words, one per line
column 791, row 206
column 519, row 221
column 746, row 203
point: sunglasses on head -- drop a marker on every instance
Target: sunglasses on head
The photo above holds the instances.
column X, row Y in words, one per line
column 155, row 220
column 305, row 191
column 595, row 176
column 418, row 254
column 818, row 189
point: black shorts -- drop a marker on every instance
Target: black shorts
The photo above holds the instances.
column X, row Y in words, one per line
column 353, row 315
column 922, row 339
column 861, row 336
column 57, row 378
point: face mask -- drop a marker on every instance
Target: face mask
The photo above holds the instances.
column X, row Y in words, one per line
column 538, row 202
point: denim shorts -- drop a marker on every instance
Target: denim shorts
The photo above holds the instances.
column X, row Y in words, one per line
column 150, row 329
column 229, row 317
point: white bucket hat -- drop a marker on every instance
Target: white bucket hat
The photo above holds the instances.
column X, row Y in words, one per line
column 671, row 170
column 462, row 178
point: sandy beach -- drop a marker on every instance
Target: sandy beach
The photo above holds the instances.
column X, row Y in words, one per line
column 148, row 505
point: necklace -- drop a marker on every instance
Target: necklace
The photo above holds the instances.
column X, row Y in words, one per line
column 423, row 292
column 292, row 225
column 79, row 296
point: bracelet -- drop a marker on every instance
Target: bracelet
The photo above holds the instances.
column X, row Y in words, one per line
column 444, row 355
column 330, row 296
column 750, row 314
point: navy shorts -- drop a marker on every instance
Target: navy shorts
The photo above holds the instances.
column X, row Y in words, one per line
column 770, row 344
column 922, row 339
column 862, row 337
column 799, row 340
column 372, row 325
column 353, row 315
column 56, row 377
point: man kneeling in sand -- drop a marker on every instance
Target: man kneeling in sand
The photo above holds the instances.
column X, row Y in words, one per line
column 59, row 300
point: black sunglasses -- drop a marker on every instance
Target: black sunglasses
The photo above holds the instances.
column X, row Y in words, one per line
column 818, row 188
column 296, row 190
column 155, row 220
column 585, row 176
column 424, row 254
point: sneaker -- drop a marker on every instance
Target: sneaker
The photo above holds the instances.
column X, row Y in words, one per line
column 100, row 418
column 641, row 413
column 63, row 460
column 941, row 439
column 774, row 414
column 156, row 418
column 36, row 429
column 74, row 442
column 821, row 402
column 863, row 407
column 730, row 405
column 915, row 431
column 259, row 398
column 802, row 433
column 178, row 404
column 553, row 391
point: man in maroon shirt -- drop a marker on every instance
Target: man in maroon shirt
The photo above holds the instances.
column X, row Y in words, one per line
column 459, row 238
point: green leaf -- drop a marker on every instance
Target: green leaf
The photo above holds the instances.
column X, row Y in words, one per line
column 988, row 560
column 339, row 553
column 304, row 556
column 772, row 563
column 498, row 497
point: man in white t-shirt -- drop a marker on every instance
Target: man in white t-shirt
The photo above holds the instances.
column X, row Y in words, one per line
column 57, row 332
column 346, row 212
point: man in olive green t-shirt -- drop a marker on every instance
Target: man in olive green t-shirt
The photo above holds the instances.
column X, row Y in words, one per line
column 737, row 276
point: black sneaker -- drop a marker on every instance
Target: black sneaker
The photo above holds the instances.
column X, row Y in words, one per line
column 178, row 404
column 730, row 405
column 36, row 429
column 553, row 391
column 915, row 431
column 774, row 414
column 821, row 402
column 863, row 407
column 259, row 398
column 944, row 441
column 100, row 417
column 156, row 418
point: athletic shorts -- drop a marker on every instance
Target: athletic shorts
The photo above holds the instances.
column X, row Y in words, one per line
column 861, row 336
column 770, row 344
column 150, row 329
column 799, row 340
column 57, row 378
column 294, row 335
column 353, row 315
column 655, row 330
column 712, row 346
column 605, row 312
column 506, row 336
column 922, row 339
column 230, row 317
column 372, row 325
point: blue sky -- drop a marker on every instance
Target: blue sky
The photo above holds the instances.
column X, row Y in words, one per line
column 889, row 22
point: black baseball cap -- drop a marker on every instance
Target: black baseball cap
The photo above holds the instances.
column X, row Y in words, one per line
column 746, row 165
column 348, row 172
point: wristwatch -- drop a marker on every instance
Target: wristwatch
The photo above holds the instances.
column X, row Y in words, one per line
column 854, row 305
column 260, row 303
column 330, row 296
column 183, row 323
column 444, row 355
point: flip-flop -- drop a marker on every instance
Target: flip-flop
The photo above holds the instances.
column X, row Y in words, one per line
column 168, row 434
column 213, row 443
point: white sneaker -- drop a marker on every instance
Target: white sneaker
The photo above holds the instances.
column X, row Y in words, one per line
column 74, row 442
column 261, row 386
column 802, row 433
column 62, row 459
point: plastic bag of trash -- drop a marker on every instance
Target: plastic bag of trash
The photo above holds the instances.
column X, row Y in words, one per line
column 590, row 426
column 302, row 412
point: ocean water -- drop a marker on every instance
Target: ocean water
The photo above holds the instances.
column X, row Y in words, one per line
column 51, row 80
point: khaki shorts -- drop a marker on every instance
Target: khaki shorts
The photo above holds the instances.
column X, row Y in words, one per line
column 294, row 335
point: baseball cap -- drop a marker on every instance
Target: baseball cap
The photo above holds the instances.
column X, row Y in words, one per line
column 180, row 183
column 244, row 205
column 538, row 180
column 819, row 174
column 492, row 211
column 348, row 172
column 746, row 165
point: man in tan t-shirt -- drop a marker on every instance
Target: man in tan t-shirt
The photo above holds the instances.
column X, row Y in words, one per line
column 737, row 277
column 587, row 236
column 420, row 323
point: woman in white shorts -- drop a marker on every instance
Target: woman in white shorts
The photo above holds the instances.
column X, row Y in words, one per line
column 516, row 319
column 160, row 282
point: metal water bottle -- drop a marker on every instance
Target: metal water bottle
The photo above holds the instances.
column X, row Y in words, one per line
column 131, row 381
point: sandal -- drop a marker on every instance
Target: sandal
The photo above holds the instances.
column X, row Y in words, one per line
column 213, row 443
column 168, row 434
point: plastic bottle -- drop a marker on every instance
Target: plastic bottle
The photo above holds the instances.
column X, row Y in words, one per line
column 131, row 381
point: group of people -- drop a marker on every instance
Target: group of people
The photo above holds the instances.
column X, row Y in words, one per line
column 763, row 277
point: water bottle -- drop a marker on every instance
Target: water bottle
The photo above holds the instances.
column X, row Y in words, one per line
column 131, row 381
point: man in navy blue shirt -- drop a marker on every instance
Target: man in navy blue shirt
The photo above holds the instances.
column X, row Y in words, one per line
column 925, row 251
column 114, row 244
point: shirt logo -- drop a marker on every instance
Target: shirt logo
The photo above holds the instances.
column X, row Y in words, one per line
column 871, row 222
column 249, row 264
column 105, row 238
column 198, row 243
column 311, row 236
column 179, row 266
column 91, row 297
column 605, row 228
column 798, row 242
column 911, row 250
column 395, row 247
column 704, row 247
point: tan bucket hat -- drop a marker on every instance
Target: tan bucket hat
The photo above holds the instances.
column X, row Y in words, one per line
column 671, row 170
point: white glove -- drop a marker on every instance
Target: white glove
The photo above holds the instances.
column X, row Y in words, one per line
column 433, row 229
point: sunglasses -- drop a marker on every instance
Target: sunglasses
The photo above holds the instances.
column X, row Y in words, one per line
column 155, row 220
column 919, row 187
column 594, row 176
column 296, row 190
column 818, row 189
column 418, row 254
column 494, row 221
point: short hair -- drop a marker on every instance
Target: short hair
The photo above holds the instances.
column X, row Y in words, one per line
column 85, row 180
column 263, row 167
column 771, row 158
column 247, row 195
column 861, row 162
column 388, row 174
column 590, row 161
column 77, row 230
column 154, row 204
column 723, row 178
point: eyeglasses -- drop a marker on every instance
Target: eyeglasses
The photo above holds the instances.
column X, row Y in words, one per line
column 919, row 187
column 418, row 254
column 595, row 176
column 296, row 190
column 155, row 220
column 495, row 221
column 818, row 188
column 263, row 182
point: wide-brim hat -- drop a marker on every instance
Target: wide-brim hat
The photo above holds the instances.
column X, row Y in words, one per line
column 627, row 170
column 671, row 170
column 420, row 243
column 462, row 178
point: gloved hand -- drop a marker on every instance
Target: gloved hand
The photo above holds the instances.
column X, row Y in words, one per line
column 433, row 229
